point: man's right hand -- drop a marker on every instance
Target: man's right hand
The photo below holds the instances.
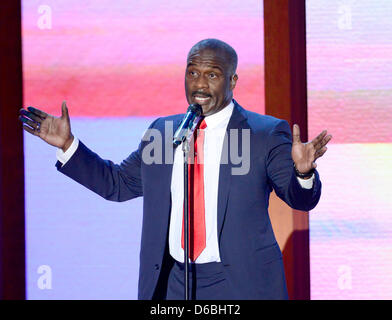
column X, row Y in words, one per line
column 54, row 130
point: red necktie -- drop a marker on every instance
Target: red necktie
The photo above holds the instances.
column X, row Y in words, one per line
column 197, row 225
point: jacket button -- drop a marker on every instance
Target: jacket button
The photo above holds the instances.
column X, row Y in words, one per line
column 156, row 267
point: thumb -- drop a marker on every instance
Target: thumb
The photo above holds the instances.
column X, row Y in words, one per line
column 64, row 111
column 296, row 134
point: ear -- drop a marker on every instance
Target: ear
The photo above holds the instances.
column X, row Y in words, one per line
column 233, row 81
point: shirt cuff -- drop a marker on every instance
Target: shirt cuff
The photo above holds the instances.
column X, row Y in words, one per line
column 63, row 157
column 305, row 183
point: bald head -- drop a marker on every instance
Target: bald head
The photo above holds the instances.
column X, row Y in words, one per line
column 219, row 47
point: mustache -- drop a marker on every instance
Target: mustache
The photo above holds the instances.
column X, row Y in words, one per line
column 200, row 93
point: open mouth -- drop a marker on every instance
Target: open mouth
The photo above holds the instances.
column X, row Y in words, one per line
column 201, row 98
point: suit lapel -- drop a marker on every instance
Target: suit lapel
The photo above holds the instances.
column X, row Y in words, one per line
column 168, row 161
column 237, row 121
column 176, row 124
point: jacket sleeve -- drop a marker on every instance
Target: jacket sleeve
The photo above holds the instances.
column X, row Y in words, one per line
column 111, row 181
column 281, row 173
column 114, row 182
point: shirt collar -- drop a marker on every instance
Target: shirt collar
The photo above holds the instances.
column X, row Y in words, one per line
column 220, row 118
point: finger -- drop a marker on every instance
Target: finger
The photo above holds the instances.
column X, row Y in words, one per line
column 38, row 112
column 320, row 153
column 30, row 115
column 320, row 137
column 30, row 130
column 325, row 141
column 316, row 141
column 28, row 121
column 296, row 134
column 322, row 143
column 64, row 110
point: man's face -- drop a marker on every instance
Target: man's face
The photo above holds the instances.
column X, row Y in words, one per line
column 209, row 81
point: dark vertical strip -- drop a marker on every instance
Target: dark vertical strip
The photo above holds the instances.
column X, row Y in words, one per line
column 12, row 213
column 286, row 98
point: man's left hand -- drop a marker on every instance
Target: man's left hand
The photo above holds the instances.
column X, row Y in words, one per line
column 305, row 154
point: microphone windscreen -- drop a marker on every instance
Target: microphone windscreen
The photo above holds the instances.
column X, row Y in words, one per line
column 196, row 108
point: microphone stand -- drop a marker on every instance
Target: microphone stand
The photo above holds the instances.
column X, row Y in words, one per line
column 185, row 149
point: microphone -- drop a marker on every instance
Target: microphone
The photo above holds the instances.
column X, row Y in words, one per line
column 188, row 124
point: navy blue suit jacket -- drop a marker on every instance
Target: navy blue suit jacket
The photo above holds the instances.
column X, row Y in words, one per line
column 249, row 252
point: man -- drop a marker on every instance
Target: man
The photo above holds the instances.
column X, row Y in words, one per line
column 233, row 251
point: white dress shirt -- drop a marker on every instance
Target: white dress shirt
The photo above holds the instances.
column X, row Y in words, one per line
column 214, row 135
column 213, row 144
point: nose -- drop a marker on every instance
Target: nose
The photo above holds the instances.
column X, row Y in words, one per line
column 201, row 82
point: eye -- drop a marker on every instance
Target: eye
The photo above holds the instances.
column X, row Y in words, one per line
column 212, row 75
column 192, row 74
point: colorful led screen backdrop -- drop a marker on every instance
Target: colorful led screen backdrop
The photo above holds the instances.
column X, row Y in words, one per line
column 119, row 65
column 349, row 58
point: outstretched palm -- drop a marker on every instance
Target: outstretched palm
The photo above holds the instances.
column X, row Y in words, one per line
column 305, row 154
column 53, row 130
